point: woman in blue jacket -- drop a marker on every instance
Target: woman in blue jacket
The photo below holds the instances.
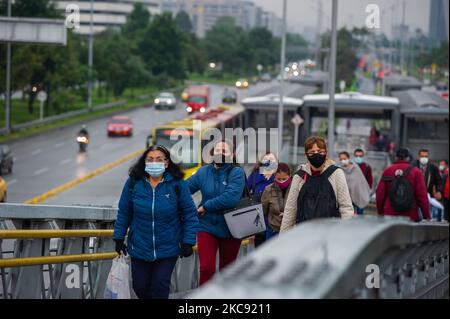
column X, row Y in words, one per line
column 158, row 209
column 221, row 184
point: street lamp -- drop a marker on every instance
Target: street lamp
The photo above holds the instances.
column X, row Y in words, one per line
column 332, row 84
column 282, row 66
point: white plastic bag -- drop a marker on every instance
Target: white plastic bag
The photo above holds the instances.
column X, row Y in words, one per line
column 118, row 283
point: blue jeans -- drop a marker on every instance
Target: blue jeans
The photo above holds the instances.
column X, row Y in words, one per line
column 270, row 233
column 151, row 279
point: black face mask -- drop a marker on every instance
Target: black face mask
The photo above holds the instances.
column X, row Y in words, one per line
column 317, row 160
column 220, row 159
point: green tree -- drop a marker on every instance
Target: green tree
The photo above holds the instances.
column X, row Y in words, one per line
column 227, row 43
column 162, row 47
column 265, row 48
column 183, row 22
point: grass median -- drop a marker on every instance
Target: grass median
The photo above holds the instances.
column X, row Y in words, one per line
column 20, row 112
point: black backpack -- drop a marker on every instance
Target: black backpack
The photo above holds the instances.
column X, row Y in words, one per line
column 401, row 192
column 317, row 198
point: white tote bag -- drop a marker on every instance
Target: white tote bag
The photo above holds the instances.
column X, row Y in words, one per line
column 118, row 282
column 246, row 221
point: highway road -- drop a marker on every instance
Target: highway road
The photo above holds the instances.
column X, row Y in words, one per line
column 51, row 159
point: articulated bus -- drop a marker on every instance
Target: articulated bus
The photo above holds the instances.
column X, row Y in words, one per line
column 230, row 116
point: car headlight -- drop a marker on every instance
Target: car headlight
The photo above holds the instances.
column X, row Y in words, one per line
column 238, row 83
column 202, row 110
column 157, row 101
column 189, row 109
column 169, row 101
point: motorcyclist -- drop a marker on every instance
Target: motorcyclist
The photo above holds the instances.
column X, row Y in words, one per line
column 83, row 131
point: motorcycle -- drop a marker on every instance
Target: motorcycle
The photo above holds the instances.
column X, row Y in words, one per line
column 83, row 142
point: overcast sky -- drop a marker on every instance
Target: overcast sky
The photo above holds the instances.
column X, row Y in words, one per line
column 351, row 12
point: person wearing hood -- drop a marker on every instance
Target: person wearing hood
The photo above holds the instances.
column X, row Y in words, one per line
column 274, row 199
column 221, row 184
column 263, row 175
column 318, row 190
column 357, row 184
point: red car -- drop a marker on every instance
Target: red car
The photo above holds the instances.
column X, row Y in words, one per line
column 120, row 126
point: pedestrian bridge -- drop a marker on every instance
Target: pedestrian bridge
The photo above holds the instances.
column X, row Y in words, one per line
column 52, row 252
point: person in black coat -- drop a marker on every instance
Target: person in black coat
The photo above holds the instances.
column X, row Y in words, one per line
column 431, row 174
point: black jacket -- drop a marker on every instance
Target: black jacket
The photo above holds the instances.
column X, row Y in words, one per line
column 433, row 179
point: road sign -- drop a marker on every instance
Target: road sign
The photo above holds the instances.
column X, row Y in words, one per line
column 32, row 30
column 42, row 96
column 297, row 120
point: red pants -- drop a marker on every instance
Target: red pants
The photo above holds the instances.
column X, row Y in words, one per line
column 207, row 250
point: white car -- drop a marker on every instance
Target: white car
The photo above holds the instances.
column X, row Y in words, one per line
column 165, row 100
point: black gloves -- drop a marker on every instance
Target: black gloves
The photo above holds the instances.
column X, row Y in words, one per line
column 120, row 246
column 185, row 250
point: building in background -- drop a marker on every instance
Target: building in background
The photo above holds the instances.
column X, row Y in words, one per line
column 107, row 13
column 439, row 27
column 204, row 14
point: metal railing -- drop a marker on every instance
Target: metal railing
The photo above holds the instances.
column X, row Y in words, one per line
column 364, row 257
column 53, row 252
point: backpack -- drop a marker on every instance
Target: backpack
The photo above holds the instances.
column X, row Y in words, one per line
column 401, row 193
column 317, row 198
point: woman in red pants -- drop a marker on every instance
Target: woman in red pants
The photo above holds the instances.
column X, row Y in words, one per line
column 221, row 184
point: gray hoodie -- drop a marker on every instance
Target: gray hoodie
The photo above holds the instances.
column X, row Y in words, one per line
column 357, row 185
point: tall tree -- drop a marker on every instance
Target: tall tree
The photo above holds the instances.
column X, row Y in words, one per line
column 183, row 22
column 162, row 47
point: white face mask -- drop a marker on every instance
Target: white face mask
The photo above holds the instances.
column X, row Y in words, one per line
column 441, row 167
column 424, row 160
column 345, row 162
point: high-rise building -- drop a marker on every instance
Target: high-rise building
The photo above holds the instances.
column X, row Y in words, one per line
column 106, row 13
column 439, row 27
column 204, row 14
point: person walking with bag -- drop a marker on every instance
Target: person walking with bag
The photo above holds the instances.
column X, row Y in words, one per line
column 157, row 208
column 402, row 190
column 221, row 184
column 318, row 190
column 357, row 184
column 274, row 199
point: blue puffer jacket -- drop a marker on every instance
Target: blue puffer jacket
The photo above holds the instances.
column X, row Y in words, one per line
column 217, row 195
column 154, row 218
column 257, row 183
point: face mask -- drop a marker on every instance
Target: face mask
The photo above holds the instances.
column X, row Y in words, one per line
column 345, row 162
column 441, row 167
column 359, row 159
column 269, row 166
column 285, row 184
column 317, row 160
column 155, row 169
column 220, row 159
column 424, row 160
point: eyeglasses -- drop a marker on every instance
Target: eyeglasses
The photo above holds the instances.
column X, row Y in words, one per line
column 321, row 152
column 157, row 160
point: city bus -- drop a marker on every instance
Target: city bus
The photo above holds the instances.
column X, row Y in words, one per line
column 193, row 127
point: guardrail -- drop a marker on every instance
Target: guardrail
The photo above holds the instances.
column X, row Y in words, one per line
column 62, row 116
column 53, row 252
column 365, row 257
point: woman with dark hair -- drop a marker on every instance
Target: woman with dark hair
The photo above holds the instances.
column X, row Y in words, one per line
column 158, row 209
column 221, row 184
column 274, row 199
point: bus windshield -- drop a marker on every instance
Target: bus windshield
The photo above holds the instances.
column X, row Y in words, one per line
column 186, row 156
